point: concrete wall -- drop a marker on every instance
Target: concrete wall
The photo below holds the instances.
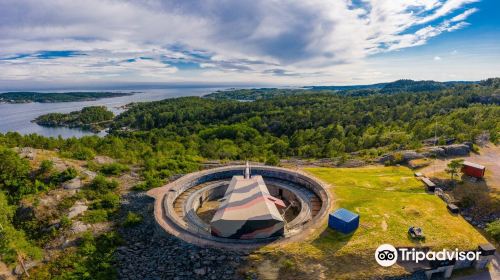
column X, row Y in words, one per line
column 171, row 192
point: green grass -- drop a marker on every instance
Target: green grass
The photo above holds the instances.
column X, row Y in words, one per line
column 389, row 200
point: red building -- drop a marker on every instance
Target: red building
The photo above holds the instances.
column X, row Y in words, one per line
column 473, row 169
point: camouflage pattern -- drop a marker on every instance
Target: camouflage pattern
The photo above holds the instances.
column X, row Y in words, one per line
column 247, row 211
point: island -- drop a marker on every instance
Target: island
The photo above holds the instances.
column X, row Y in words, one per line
column 54, row 97
column 93, row 118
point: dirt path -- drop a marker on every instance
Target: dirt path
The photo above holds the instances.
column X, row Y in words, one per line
column 488, row 156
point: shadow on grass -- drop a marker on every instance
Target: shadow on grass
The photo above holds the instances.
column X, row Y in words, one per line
column 332, row 240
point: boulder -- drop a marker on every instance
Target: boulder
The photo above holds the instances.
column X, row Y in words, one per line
column 456, row 150
column 77, row 209
column 73, row 184
column 89, row 174
column 79, row 227
column 386, row 158
column 409, row 155
column 434, row 152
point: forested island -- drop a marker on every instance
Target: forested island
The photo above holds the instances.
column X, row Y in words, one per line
column 398, row 86
column 94, row 118
column 53, row 97
column 253, row 94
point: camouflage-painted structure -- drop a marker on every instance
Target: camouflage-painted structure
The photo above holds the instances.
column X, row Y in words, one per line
column 248, row 211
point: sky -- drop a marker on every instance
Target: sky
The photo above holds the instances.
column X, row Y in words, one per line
column 112, row 43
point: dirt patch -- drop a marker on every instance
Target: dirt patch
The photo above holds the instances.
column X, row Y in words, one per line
column 384, row 225
column 268, row 270
column 5, row 272
column 488, row 156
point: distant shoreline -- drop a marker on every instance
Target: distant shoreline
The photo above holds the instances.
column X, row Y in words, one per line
column 56, row 97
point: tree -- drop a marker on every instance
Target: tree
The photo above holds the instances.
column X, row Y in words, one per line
column 454, row 167
column 14, row 174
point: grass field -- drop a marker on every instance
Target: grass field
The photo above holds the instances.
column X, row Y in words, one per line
column 389, row 200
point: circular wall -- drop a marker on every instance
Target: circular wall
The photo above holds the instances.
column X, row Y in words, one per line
column 177, row 202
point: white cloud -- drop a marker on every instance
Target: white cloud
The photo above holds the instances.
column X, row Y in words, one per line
column 437, row 58
column 257, row 38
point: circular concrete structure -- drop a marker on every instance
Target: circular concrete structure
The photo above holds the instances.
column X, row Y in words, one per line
column 177, row 204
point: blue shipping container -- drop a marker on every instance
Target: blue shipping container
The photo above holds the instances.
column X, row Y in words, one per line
column 343, row 220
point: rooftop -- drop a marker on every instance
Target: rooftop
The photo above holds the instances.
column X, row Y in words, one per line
column 472, row 164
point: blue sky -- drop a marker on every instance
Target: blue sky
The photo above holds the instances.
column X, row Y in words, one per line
column 75, row 44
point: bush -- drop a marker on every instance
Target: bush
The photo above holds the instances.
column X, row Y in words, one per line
column 493, row 229
column 95, row 216
column 83, row 153
column 140, row 187
column 114, row 169
column 272, row 160
column 66, row 175
column 93, row 259
column 102, row 185
column 109, row 201
column 65, row 222
column 46, row 167
column 132, row 219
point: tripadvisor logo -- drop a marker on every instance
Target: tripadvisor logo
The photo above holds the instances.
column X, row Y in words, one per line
column 387, row 255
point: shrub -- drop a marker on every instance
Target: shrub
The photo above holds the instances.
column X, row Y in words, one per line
column 272, row 160
column 109, row 201
column 493, row 229
column 46, row 167
column 140, row 187
column 102, row 185
column 65, row 222
column 288, row 264
column 66, row 175
column 95, row 216
column 83, row 153
column 114, row 169
column 132, row 219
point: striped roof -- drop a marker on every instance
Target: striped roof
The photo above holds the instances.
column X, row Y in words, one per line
column 247, row 199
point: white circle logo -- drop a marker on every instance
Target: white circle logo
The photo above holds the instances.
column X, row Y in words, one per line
column 386, row 255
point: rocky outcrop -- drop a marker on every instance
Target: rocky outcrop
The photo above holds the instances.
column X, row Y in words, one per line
column 148, row 254
column 410, row 155
column 434, row 152
column 77, row 209
column 73, row 184
column 439, row 151
column 79, row 227
column 456, row 150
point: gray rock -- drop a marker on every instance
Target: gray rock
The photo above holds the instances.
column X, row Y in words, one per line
column 434, row 152
column 409, row 155
column 89, row 174
column 77, row 209
column 73, row 184
column 79, row 227
column 456, row 150
column 200, row 271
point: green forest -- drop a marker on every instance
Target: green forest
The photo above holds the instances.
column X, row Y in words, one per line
column 93, row 118
column 51, row 97
column 174, row 136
